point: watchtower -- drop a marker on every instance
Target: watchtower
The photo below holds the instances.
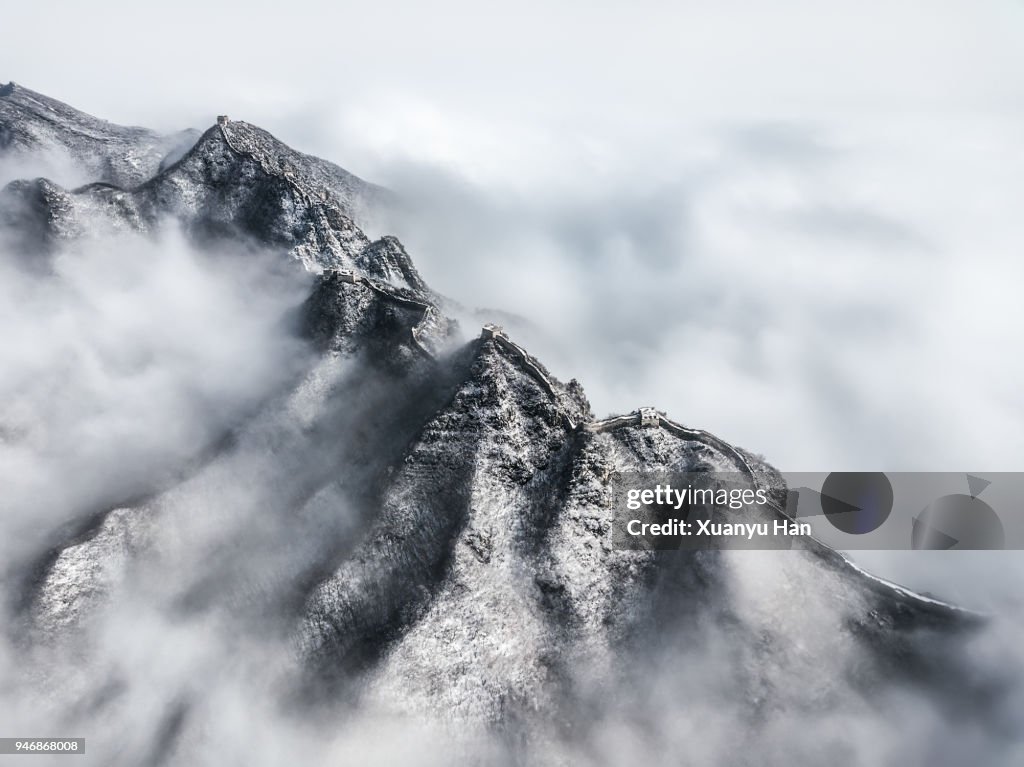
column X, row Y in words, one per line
column 491, row 330
column 649, row 416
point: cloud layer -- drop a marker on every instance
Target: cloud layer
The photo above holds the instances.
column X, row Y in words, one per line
column 811, row 292
column 123, row 360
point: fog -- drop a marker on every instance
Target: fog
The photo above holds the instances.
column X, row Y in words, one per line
column 812, row 293
column 124, row 359
column 129, row 362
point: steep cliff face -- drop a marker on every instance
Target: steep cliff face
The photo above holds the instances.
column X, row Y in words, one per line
column 423, row 520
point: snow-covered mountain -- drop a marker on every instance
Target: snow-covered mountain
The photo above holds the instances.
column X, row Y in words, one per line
column 414, row 526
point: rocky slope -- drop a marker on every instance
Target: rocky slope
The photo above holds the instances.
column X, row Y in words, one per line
column 31, row 124
column 420, row 524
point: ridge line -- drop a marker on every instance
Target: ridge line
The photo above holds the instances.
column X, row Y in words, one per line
column 352, row 277
column 533, row 368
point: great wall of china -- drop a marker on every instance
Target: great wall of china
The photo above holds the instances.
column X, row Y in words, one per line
column 646, row 417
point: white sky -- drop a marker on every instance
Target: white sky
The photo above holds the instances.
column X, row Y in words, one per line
column 550, row 65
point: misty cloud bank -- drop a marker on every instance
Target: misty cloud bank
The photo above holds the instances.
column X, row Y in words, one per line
column 127, row 363
column 123, row 360
column 831, row 296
